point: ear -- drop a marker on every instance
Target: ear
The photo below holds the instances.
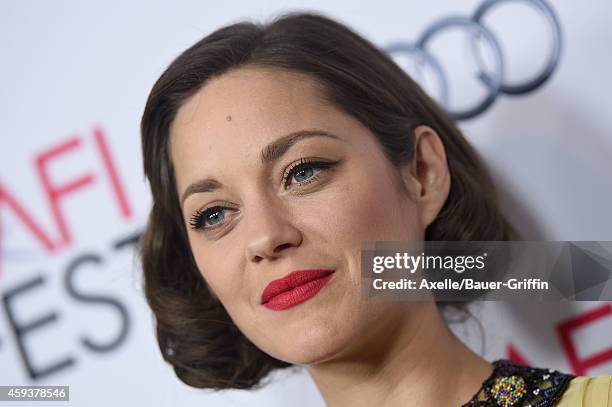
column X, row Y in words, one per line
column 427, row 176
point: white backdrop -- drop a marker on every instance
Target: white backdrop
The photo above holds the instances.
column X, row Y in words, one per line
column 74, row 77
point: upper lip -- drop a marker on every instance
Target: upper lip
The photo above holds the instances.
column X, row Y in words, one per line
column 290, row 281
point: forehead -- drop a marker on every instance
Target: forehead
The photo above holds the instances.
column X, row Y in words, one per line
column 245, row 96
column 237, row 113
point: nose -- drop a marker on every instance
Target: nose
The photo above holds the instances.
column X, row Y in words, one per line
column 271, row 232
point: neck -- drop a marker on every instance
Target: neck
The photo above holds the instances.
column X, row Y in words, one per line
column 418, row 361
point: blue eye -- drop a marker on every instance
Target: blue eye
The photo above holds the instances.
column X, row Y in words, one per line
column 214, row 217
column 303, row 171
column 308, row 171
column 211, row 216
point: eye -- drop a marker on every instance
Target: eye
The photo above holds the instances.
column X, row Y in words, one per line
column 211, row 217
column 304, row 171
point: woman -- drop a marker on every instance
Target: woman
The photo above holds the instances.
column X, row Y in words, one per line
column 272, row 152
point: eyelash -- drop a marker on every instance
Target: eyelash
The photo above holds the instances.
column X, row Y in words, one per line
column 201, row 214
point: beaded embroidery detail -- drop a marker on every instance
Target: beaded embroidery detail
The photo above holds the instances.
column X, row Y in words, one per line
column 514, row 385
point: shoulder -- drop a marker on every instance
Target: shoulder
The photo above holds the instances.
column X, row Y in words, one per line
column 587, row 391
column 514, row 384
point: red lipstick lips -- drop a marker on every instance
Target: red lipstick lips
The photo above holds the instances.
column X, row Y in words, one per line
column 294, row 288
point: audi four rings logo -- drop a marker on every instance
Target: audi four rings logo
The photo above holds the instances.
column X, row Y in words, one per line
column 493, row 77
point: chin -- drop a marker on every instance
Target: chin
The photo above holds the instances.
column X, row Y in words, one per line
column 314, row 345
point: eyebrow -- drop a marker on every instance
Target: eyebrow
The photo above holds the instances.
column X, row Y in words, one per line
column 268, row 154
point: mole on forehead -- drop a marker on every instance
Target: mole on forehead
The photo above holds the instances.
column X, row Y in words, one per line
column 228, row 118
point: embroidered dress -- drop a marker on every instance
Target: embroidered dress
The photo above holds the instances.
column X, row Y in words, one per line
column 514, row 385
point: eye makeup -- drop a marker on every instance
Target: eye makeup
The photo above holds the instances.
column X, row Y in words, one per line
column 310, row 170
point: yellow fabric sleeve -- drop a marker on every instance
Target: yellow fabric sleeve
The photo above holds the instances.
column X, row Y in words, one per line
column 585, row 391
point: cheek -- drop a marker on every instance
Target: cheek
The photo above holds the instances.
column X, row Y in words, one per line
column 373, row 209
column 214, row 269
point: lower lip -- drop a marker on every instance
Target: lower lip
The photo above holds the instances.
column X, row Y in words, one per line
column 297, row 295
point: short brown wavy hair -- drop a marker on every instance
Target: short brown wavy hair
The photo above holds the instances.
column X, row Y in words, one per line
column 195, row 333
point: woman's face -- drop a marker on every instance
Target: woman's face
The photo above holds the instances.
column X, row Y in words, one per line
column 269, row 218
